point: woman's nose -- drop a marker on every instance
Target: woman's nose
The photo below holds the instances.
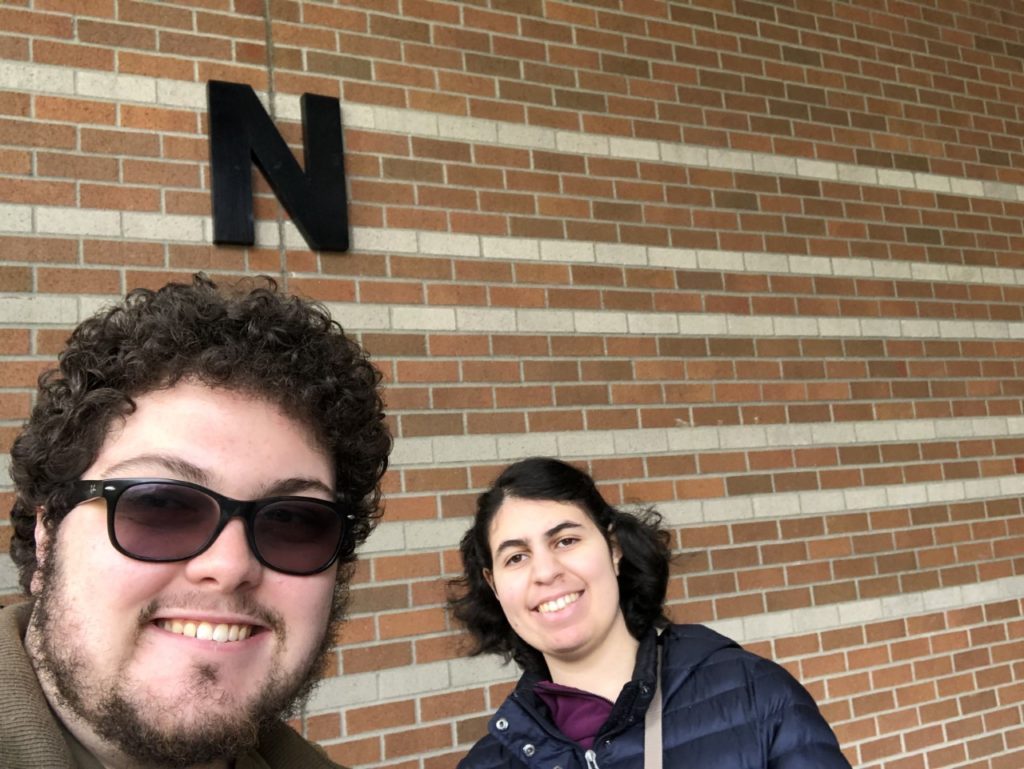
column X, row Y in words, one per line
column 546, row 566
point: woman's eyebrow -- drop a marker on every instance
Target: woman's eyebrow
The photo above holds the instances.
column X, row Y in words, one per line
column 556, row 529
column 561, row 527
column 508, row 543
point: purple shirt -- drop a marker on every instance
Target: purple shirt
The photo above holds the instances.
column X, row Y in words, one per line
column 578, row 714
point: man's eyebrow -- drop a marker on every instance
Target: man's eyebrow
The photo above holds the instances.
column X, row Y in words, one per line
column 176, row 466
column 186, row 471
column 557, row 529
column 292, row 486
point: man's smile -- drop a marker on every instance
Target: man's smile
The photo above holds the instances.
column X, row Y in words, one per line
column 207, row 631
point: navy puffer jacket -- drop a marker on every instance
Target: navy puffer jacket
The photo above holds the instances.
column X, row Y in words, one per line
column 723, row 708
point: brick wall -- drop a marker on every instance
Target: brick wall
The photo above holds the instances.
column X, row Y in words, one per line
column 758, row 263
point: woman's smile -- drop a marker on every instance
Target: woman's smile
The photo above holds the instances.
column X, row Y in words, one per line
column 555, row 577
column 556, row 605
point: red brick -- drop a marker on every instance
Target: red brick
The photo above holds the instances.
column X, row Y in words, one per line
column 414, row 741
column 379, row 657
column 378, row 717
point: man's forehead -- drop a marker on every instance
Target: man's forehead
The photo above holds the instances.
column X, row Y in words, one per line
column 211, row 435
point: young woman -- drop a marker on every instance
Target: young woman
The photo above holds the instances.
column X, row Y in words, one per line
column 573, row 590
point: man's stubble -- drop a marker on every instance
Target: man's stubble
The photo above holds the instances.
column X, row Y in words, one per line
column 140, row 730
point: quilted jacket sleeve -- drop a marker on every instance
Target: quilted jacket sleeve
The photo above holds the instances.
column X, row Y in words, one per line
column 800, row 737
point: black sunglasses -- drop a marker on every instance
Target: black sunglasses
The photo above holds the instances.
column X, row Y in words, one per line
column 155, row 519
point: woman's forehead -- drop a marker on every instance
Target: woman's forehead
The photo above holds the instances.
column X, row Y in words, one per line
column 529, row 518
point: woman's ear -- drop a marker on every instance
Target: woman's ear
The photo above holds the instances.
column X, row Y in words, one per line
column 613, row 543
column 489, row 576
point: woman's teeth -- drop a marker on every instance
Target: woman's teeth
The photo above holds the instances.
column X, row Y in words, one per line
column 558, row 604
column 206, row 631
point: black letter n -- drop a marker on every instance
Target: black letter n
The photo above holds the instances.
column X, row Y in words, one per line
column 241, row 132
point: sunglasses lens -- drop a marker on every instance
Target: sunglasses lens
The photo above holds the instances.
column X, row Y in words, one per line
column 297, row 536
column 164, row 522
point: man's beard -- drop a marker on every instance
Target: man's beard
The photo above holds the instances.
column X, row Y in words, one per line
column 110, row 711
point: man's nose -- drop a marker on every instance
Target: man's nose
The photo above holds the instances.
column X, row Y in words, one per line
column 229, row 563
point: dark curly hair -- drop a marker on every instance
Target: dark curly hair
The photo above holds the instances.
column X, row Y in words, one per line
column 252, row 338
column 643, row 569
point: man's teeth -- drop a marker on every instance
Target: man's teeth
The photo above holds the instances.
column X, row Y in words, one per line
column 558, row 604
column 206, row 631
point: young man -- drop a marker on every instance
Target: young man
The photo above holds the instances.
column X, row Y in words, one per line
column 190, row 488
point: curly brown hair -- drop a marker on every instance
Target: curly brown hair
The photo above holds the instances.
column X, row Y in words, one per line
column 252, row 338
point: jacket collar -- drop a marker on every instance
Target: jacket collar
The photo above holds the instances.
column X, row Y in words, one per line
column 630, row 705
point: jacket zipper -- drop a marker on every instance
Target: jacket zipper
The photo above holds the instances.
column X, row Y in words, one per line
column 591, row 757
